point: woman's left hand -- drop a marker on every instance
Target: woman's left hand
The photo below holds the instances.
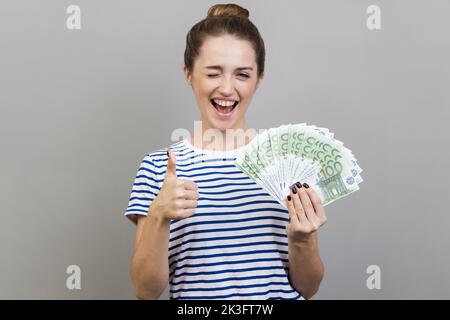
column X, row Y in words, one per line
column 306, row 213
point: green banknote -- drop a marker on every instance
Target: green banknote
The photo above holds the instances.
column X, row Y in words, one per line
column 278, row 157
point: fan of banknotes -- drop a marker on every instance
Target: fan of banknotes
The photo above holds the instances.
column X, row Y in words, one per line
column 279, row 157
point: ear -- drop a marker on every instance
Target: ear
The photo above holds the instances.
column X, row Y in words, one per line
column 187, row 75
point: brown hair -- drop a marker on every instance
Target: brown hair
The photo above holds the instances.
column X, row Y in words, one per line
column 224, row 19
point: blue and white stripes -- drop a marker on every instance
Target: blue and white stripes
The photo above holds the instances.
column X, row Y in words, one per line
column 235, row 245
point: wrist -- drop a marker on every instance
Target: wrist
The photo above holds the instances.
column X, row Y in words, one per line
column 160, row 221
column 156, row 214
column 305, row 241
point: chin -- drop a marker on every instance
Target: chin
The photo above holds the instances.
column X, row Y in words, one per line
column 222, row 126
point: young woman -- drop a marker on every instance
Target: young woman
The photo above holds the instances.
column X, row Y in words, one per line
column 202, row 224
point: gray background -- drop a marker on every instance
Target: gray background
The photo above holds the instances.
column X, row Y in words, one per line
column 80, row 108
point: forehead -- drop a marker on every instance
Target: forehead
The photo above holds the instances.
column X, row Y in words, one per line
column 227, row 51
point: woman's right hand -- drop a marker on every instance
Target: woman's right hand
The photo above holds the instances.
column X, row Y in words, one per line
column 177, row 198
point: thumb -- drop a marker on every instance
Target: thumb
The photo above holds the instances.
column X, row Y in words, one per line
column 171, row 164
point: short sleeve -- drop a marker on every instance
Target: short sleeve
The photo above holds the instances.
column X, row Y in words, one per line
column 144, row 190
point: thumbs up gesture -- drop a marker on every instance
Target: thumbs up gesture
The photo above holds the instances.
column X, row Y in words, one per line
column 177, row 198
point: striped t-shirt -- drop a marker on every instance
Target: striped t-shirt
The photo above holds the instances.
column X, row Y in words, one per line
column 234, row 246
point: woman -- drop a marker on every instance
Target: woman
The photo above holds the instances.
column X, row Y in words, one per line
column 202, row 225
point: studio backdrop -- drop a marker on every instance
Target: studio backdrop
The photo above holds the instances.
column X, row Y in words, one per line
column 87, row 88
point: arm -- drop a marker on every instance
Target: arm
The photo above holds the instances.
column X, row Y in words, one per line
column 305, row 266
column 149, row 266
column 306, row 215
column 177, row 199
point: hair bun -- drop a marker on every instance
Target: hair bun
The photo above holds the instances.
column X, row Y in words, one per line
column 229, row 9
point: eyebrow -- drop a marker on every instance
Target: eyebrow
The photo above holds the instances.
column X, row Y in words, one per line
column 220, row 68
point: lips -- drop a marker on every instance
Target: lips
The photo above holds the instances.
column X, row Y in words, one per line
column 224, row 112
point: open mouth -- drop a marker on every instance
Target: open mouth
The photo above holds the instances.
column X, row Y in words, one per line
column 224, row 111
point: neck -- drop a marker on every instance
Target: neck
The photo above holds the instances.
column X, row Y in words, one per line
column 210, row 138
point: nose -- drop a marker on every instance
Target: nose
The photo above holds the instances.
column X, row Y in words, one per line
column 226, row 86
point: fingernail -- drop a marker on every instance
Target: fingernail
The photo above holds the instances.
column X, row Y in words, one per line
column 305, row 185
column 289, row 198
column 167, row 151
column 298, row 184
column 294, row 189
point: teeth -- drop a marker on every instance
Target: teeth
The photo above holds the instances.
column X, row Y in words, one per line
column 224, row 103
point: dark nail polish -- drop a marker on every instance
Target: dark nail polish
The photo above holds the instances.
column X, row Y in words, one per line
column 298, row 184
column 289, row 198
column 167, row 153
column 294, row 189
column 305, row 185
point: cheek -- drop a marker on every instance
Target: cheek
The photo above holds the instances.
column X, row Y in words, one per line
column 207, row 87
column 246, row 93
column 246, row 90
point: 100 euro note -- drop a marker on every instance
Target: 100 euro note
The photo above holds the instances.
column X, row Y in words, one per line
column 278, row 157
